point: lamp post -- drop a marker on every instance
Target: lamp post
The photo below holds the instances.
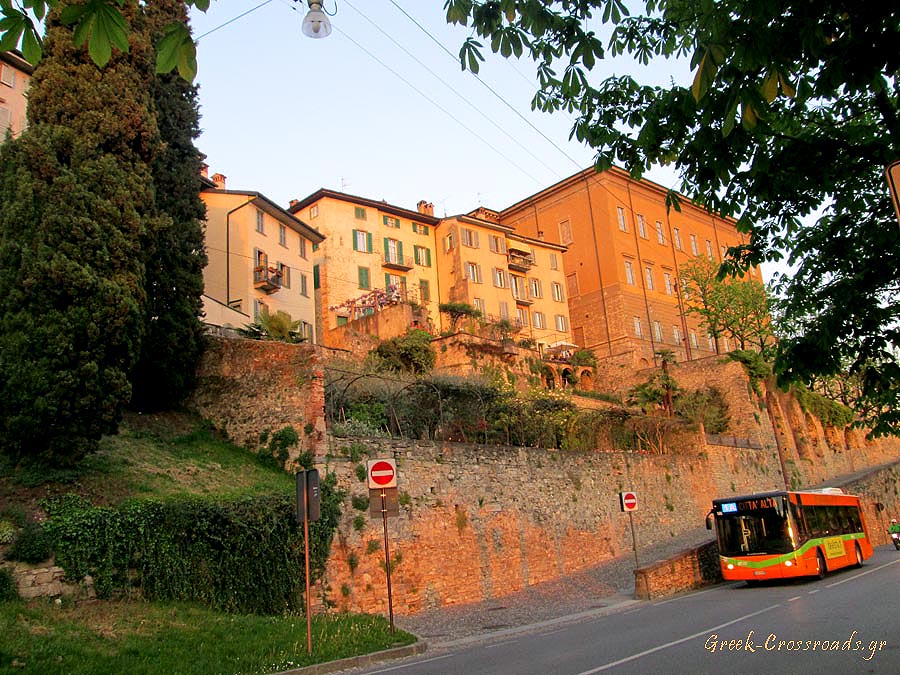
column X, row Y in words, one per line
column 316, row 24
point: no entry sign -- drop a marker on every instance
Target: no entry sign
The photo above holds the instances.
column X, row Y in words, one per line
column 382, row 473
column 628, row 501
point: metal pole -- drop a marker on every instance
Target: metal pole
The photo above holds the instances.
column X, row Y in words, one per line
column 387, row 557
column 637, row 564
column 306, row 555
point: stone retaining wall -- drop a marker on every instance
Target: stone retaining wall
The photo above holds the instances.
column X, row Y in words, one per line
column 688, row 570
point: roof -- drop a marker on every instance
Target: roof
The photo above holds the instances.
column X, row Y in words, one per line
column 267, row 205
column 323, row 193
column 15, row 59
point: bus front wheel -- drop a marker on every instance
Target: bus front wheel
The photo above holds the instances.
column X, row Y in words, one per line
column 859, row 558
column 821, row 567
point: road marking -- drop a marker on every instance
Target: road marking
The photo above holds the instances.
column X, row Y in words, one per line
column 686, row 595
column 815, row 590
column 409, row 665
column 501, row 644
column 706, row 631
column 862, row 574
column 796, row 597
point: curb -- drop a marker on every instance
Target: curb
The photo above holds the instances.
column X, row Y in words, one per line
column 359, row 661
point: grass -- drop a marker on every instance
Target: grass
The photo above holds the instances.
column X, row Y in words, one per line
column 137, row 638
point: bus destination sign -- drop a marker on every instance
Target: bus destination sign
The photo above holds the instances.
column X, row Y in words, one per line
column 756, row 504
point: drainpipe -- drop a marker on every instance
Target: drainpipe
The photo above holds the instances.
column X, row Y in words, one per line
column 228, row 250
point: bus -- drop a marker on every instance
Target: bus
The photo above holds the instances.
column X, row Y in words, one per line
column 777, row 535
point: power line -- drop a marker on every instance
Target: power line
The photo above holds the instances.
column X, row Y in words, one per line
column 230, row 21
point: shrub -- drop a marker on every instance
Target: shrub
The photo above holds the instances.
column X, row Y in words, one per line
column 8, row 589
column 707, row 406
column 411, row 353
column 31, row 544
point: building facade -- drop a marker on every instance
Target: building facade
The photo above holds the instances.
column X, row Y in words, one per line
column 15, row 78
column 260, row 259
column 624, row 250
column 374, row 254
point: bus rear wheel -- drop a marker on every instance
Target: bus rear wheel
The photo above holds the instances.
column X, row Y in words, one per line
column 821, row 567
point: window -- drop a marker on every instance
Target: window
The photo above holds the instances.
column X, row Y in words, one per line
column 538, row 320
column 362, row 241
column 657, row 331
column 676, row 235
column 499, row 277
column 676, row 334
column 478, row 304
column 711, row 343
column 709, row 248
column 504, row 310
column 303, row 248
column 5, row 121
column 637, row 327
column 422, row 256
column 572, row 284
column 285, row 273
column 259, row 308
column 519, row 288
column 317, row 277
column 642, row 227
column 725, row 344
column 394, row 281
column 448, row 243
column 473, row 272
column 262, row 260
column 391, row 221
column 360, row 213
column 282, row 234
column 667, row 278
column 363, row 275
column 7, row 75
column 694, row 343
column 497, row 244
column 393, row 251
column 557, row 291
column 534, row 286
column 629, row 273
column 315, row 246
column 521, row 316
column 694, row 248
column 313, row 211
column 554, row 262
column 565, row 233
column 660, row 237
column 648, row 272
column 304, row 285
column 342, row 320
column 260, row 222
column 620, row 214
column 562, row 323
column 418, row 228
column 424, row 290
column 306, row 330
column 685, row 289
column 468, row 237
column 724, row 251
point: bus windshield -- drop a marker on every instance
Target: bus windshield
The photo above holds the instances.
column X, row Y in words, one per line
column 757, row 532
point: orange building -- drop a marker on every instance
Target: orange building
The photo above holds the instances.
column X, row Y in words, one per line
column 505, row 275
column 623, row 253
column 260, row 259
column 374, row 254
column 15, row 78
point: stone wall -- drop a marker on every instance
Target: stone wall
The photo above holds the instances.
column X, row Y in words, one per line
column 685, row 571
column 247, row 387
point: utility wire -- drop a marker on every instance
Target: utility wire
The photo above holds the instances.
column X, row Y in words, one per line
column 230, row 21
column 488, row 87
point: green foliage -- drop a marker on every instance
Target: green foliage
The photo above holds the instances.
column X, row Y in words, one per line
column 360, row 502
column 8, row 589
column 356, row 451
column 31, row 544
column 359, row 522
column 351, row 428
column 828, row 411
column 707, row 406
column 242, row 555
column 277, row 327
column 755, row 365
column 361, row 472
column 457, row 311
column 600, row 396
column 410, row 353
column 584, row 357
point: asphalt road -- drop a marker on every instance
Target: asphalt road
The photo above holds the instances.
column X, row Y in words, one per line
column 847, row 623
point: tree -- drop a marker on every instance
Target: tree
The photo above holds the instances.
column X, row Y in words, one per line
column 787, row 125
column 409, row 353
column 458, row 310
column 174, row 256
column 76, row 200
column 703, row 295
column 277, row 326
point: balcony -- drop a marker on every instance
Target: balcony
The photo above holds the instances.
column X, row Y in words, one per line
column 521, row 262
column 266, row 279
column 522, row 298
column 396, row 262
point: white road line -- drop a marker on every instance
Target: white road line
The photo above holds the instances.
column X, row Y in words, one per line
column 796, row 597
column 862, row 574
column 706, row 631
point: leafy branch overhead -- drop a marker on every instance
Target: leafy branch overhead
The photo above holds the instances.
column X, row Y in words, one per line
column 101, row 26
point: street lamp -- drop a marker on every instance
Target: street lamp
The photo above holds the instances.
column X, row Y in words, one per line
column 316, row 24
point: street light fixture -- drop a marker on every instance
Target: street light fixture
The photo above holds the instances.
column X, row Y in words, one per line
column 316, row 24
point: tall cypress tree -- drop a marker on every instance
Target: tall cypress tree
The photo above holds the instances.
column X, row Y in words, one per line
column 76, row 202
column 175, row 255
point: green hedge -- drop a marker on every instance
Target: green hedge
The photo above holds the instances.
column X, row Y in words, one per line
column 242, row 556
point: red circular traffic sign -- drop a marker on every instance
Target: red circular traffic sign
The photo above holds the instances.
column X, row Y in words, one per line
column 382, row 473
column 629, row 501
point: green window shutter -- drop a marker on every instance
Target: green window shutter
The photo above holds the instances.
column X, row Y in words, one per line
column 400, row 251
column 387, row 280
column 316, row 279
column 427, row 257
column 364, row 277
column 386, row 251
column 368, row 242
column 424, row 291
column 355, row 234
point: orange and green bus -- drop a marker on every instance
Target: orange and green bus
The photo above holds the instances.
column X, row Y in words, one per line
column 776, row 535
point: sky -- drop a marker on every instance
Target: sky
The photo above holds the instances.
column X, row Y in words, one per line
column 380, row 108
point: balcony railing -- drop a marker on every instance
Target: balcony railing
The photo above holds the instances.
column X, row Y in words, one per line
column 522, row 298
column 397, row 262
column 521, row 262
column 266, row 279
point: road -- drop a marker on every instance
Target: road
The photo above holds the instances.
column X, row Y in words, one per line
column 846, row 623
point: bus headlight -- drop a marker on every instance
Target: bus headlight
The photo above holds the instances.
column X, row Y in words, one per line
column 730, row 566
column 788, row 563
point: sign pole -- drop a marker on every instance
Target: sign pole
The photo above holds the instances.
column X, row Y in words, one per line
column 637, row 564
column 387, row 557
column 306, row 555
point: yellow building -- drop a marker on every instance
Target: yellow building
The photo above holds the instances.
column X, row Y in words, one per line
column 505, row 275
column 260, row 259
column 15, row 78
column 624, row 252
column 374, row 254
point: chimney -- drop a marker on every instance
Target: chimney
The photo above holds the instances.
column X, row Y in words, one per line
column 293, row 202
column 204, row 170
column 219, row 180
column 425, row 208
